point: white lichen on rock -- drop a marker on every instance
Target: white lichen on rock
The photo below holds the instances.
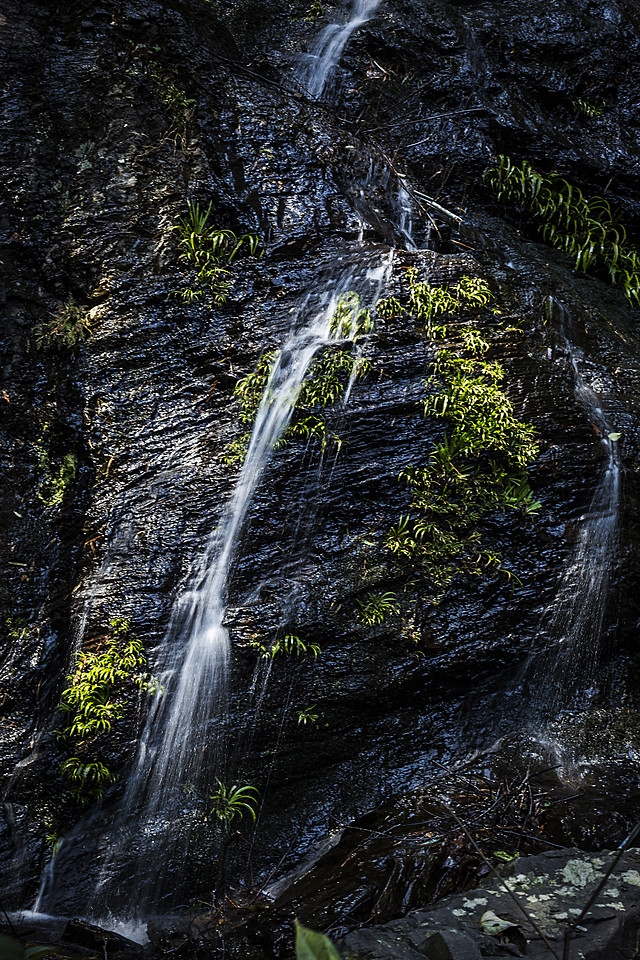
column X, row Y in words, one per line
column 478, row 902
column 579, row 873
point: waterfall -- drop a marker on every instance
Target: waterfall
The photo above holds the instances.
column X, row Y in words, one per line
column 315, row 67
column 184, row 713
column 575, row 619
column 182, row 748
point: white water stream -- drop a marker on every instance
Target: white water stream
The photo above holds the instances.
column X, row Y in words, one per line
column 172, row 747
column 182, row 749
column 575, row 619
column 315, row 67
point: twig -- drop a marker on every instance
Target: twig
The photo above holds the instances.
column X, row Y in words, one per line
column 614, row 863
column 502, row 881
column 529, row 836
column 442, row 116
column 435, row 204
column 7, row 918
column 574, row 796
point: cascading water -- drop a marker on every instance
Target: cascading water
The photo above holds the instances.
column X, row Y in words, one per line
column 575, row 620
column 184, row 713
column 315, row 67
column 182, row 748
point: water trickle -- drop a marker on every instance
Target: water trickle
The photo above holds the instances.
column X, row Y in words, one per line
column 315, row 67
column 381, row 200
column 575, row 619
column 405, row 219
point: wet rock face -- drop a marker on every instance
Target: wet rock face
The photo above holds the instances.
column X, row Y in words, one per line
column 499, row 79
column 117, row 113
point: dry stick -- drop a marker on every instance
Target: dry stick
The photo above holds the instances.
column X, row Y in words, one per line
column 575, row 923
column 7, row 918
column 438, row 206
column 502, row 881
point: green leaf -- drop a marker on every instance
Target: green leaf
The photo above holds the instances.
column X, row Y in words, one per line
column 505, row 855
column 614, row 436
column 311, row 945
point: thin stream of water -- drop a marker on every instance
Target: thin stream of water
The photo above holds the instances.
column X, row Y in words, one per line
column 183, row 743
column 315, row 68
column 576, row 617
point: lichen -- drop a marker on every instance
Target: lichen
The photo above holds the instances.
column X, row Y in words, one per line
column 471, row 904
column 579, row 873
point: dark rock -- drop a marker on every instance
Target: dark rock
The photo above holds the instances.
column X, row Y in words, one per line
column 551, row 891
column 450, row 945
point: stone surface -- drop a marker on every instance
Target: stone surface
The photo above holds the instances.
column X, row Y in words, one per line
column 551, row 890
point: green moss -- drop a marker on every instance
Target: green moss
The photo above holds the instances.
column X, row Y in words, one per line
column 55, row 480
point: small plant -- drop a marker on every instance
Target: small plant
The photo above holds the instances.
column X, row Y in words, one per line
column 170, row 92
column 473, row 292
column 235, row 451
column 91, row 777
column 350, row 319
column 89, row 699
column 315, row 11
column 376, row 607
column 95, row 699
column 587, row 107
column 55, row 482
column 585, row 229
column 17, row 628
column 480, row 465
column 209, row 251
column 425, row 302
column 68, row 325
column 308, row 716
column 289, row 646
column 323, row 387
column 232, row 802
column 180, row 107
